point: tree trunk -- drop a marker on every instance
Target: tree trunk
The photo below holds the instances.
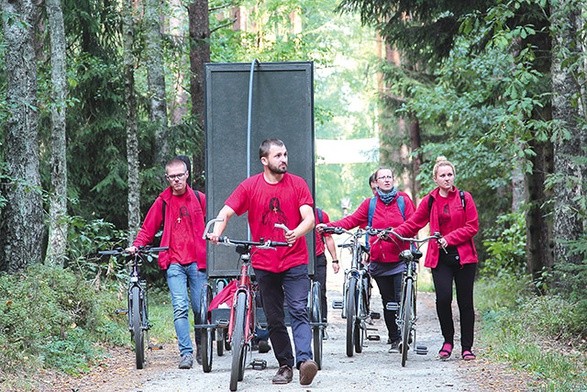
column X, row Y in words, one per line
column 415, row 144
column 156, row 80
column 199, row 55
column 58, row 224
column 132, row 142
column 570, row 135
column 22, row 218
column 538, row 226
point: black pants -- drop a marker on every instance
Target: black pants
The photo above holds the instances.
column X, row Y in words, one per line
column 390, row 288
column 464, row 278
column 320, row 276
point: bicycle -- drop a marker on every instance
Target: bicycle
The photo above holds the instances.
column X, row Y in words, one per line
column 356, row 290
column 406, row 315
column 138, row 319
column 242, row 321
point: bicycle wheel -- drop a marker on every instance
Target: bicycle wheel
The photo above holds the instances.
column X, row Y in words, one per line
column 220, row 341
column 238, row 341
column 207, row 334
column 406, row 319
column 351, row 313
column 317, row 327
column 362, row 312
column 137, row 327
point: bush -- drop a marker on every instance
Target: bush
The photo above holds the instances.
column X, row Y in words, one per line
column 568, row 282
column 506, row 246
column 48, row 316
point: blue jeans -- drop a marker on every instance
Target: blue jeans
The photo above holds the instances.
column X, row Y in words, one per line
column 179, row 278
column 291, row 286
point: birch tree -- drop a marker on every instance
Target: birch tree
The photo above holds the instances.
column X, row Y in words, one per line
column 132, row 143
column 156, row 79
column 22, row 218
column 570, row 133
column 58, row 197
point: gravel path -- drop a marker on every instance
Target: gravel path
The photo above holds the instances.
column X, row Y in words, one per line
column 373, row 369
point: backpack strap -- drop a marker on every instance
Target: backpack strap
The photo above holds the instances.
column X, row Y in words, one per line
column 401, row 203
column 372, row 205
column 320, row 215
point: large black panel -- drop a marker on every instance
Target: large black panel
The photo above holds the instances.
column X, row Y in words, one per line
column 281, row 107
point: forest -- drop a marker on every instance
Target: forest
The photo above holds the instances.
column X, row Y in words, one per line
column 96, row 95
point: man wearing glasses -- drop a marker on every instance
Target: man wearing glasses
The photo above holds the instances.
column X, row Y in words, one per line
column 181, row 215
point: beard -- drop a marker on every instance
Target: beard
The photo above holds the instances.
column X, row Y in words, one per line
column 276, row 169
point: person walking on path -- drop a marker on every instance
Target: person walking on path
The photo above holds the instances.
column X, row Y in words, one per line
column 271, row 197
column 179, row 211
column 388, row 208
column 453, row 258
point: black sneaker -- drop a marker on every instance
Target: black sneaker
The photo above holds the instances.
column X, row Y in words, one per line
column 394, row 346
column 284, row 375
column 187, row 361
column 264, row 347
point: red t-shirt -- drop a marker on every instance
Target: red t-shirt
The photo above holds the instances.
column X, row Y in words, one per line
column 319, row 241
column 266, row 205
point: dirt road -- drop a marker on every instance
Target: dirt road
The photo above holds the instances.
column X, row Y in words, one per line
column 374, row 369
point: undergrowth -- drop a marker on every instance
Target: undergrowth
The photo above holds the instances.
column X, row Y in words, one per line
column 532, row 333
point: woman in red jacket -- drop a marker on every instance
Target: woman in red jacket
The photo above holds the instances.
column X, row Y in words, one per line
column 391, row 208
column 453, row 214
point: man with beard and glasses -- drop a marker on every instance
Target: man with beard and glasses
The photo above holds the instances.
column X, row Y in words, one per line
column 276, row 196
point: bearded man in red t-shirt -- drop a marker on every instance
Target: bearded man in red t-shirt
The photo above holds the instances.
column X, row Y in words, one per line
column 276, row 196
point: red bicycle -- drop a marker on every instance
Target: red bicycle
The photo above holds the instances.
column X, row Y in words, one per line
column 242, row 321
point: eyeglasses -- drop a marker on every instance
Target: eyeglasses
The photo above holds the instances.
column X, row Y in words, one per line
column 384, row 178
column 174, row 177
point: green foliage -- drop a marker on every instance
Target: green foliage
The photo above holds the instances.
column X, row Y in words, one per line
column 48, row 315
column 506, row 246
column 528, row 331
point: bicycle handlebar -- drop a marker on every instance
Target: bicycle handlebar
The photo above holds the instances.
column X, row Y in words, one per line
column 386, row 232
column 340, row 230
column 224, row 240
column 141, row 250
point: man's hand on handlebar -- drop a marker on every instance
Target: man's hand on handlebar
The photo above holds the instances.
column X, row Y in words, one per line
column 132, row 249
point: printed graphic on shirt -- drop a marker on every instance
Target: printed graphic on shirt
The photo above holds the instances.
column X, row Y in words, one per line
column 274, row 214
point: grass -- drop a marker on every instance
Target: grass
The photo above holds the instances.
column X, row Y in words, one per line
column 523, row 330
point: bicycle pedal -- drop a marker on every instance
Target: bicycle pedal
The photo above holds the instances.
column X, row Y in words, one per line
column 121, row 311
column 393, row 306
column 373, row 337
column 336, row 304
column 421, row 350
column 375, row 315
column 259, row 364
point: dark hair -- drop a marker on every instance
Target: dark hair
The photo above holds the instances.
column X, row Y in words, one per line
column 372, row 178
column 266, row 146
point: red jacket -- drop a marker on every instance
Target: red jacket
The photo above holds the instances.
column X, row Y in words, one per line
column 385, row 216
column 459, row 232
column 153, row 221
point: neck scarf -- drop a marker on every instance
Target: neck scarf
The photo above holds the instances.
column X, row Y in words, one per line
column 387, row 197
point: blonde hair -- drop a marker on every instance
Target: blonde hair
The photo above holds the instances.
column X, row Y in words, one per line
column 442, row 161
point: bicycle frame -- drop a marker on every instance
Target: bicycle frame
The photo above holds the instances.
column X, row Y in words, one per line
column 137, row 311
column 356, row 291
column 245, row 286
column 406, row 316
